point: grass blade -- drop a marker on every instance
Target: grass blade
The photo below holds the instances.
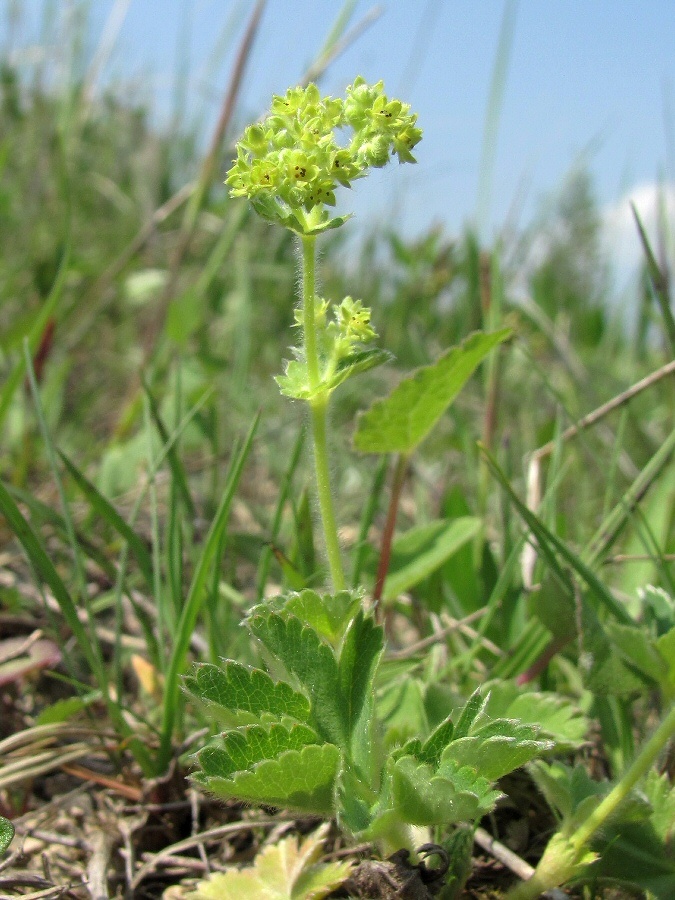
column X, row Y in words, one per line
column 109, row 514
column 550, row 545
column 45, row 569
column 284, row 491
column 658, row 281
column 195, row 599
column 613, row 523
column 177, row 470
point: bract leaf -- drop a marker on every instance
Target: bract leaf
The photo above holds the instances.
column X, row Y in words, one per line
column 356, row 363
column 302, row 652
column 421, row 550
column 426, row 796
column 300, row 780
column 232, row 688
column 295, row 380
column 285, row 870
column 400, row 422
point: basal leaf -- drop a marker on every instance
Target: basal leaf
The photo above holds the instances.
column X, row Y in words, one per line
column 299, row 648
column 638, row 649
column 359, row 656
column 557, row 717
column 284, row 870
column 496, row 754
column 632, row 854
column 473, row 708
column 435, row 744
column 300, row 780
column 233, row 688
column 328, row 614
column 420, row 551
column 424, row 796
column 399, row 423
column 245, row 747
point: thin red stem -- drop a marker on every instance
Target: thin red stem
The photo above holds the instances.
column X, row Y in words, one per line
column 389, row 527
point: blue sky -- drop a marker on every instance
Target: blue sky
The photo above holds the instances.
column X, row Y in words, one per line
column 587, row 79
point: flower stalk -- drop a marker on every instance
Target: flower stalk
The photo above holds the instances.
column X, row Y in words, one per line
column 289, row 166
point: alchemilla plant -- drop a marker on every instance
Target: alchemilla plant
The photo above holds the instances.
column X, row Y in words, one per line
column 307, row 734
column 310, row 738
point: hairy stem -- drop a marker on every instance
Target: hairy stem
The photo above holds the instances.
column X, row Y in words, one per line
column 319, row 419
column 319, row 414
column 308, row 246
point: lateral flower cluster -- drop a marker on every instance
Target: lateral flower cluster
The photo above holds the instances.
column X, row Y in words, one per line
column 340, row 336
column 290, row 164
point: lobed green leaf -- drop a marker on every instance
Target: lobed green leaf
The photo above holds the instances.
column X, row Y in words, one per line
column 426, row 796
column 233, row 688
column 302, row 652
column 499, row 748
column 359, row 657
column 327, row 614
column 557, row 718
column 243, row 748
column 300, row 780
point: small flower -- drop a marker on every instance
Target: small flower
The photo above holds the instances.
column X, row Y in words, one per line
column 353, row 319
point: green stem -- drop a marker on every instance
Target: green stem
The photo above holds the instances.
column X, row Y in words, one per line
column 563, row 857
column 308, row 245
column 319, row 410
column 319, row 417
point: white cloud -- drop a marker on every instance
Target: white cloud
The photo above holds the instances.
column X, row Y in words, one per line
column 655, row 204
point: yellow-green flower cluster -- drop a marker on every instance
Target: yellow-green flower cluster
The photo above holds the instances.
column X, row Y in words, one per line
column 290, row 164
column 344, row 334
